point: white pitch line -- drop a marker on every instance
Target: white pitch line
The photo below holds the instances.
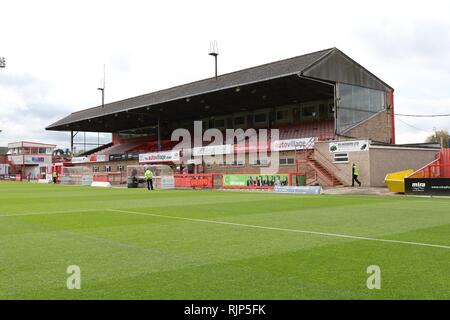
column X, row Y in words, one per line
column 45, row 213
column 285, row 229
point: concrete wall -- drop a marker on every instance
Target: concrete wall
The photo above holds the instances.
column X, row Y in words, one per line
column 343, row 171
column 378, row 161
column 384, row 160
column 377, row 128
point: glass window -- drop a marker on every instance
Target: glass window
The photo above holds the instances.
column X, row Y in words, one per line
column 287, row 161
column 120, row 168
column 358, row 104
column 341, row 157
column 107, row 168
column 261, row 162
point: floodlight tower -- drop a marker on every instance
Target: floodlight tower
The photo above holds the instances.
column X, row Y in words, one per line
column 102, row 89
column 214, row 51
column 2, row 65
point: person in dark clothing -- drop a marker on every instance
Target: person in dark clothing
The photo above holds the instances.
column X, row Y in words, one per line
column 355, row 174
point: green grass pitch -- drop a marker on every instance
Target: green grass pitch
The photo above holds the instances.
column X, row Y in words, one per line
column 135, row 244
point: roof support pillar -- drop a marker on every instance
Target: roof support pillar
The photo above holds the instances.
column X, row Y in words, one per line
column 159, row 135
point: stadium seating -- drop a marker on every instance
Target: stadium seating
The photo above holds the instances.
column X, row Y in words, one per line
column 324, row 130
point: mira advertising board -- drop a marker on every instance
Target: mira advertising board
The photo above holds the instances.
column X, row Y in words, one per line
column 163, row 156
column 428, row 187
column 252, row 180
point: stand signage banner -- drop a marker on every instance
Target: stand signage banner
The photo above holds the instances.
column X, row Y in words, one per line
column 212, row 150
column 293, row 144
column 163, row 156
column 349, row 146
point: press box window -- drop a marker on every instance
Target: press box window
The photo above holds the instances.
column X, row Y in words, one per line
column 341, row 157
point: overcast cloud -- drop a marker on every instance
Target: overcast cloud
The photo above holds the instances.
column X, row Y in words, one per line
column 55, row 52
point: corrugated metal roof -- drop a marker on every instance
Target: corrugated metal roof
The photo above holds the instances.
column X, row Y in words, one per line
column 242, row 77
column 308, row 63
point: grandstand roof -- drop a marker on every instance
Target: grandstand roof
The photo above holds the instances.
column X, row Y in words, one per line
column 330, row 65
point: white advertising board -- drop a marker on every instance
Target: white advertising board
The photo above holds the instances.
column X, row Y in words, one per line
column 293, row 144
column 163, row 156
column 348, row 146
column 212, row 150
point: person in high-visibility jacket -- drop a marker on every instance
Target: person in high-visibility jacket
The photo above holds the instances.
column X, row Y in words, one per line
column 55, row 176
column 355, row 174
column 148, row 175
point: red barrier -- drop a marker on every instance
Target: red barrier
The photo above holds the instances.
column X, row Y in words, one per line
column 439, row 168
column 195, row 180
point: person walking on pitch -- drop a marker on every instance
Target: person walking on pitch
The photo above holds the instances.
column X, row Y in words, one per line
column 149, row 178
column 55, row 176
column 355, row 174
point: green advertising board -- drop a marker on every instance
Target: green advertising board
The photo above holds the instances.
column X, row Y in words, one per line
column 246, row 180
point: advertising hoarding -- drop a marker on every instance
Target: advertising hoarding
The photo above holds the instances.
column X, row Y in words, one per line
column 163, row 156
column 251, row 180
column 348, row 146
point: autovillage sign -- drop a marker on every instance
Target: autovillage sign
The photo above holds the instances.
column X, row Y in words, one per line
column 293, row 144
column 163, row 156
column 428, row 187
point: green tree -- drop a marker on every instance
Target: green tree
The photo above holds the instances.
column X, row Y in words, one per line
column 438, row 136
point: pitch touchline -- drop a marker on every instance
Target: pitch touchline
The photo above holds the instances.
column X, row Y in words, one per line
column 44, row 213
column 285, row 229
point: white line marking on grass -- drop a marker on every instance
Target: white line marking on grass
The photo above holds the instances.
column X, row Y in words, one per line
column 51, row 212
column 285, row 229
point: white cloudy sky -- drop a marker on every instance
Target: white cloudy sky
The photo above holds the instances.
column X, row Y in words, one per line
column 55, row 51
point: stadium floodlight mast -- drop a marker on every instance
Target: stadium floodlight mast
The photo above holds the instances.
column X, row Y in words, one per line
column 102, row 89
column 214, row 51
